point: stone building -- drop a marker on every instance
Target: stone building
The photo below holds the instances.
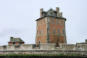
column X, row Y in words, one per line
column 50, row 38
column 15, row 41
column 51, row 27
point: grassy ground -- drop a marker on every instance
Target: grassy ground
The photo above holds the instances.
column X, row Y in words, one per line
column 39, row 55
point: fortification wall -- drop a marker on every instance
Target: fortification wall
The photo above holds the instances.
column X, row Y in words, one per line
column 66, row 52
column 67, row 46
column 1, row 48
column 45, row 49
column 47, row 46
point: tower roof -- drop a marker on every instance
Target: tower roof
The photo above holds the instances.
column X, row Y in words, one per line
column 51, row 16
column 50, row 13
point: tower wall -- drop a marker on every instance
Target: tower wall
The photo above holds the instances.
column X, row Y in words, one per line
column 56, row 30
column 51, row 27
column 41, row 35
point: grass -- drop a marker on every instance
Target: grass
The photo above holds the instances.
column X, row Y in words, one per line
column 40, row 55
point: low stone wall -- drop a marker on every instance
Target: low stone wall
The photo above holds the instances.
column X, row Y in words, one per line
column 47, row 46
column 44, row 49
column 66, row 52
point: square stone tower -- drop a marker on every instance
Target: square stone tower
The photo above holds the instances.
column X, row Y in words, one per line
column 50, row 27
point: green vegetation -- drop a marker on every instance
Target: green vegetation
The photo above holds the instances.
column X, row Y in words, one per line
column 40, row 55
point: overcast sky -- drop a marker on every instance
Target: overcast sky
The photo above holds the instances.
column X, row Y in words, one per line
column 17, row 18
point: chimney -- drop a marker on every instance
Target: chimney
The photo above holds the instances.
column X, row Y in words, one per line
column 41, row 10
column 60, row 14
column 57, row 10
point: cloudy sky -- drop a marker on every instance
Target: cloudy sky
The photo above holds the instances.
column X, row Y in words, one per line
column 17, row 18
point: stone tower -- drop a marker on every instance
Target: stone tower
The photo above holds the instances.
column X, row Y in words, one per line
column 51, row 27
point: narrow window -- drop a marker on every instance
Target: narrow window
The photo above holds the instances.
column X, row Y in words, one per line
column 58, row 31
column 39, row 44
column 63, row 31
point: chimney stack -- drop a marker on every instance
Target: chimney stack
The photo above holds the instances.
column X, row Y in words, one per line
column 60, row 14
column 57, row 10
column 41, row 10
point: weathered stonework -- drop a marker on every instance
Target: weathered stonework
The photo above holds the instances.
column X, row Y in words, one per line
column 50, row 38
column 50, row 27
column 49, row 48
column 15, row 41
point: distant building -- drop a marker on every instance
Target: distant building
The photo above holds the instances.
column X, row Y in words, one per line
column 15, row 41
column 51, row 27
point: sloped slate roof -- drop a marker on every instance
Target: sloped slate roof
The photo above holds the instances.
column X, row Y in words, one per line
column 51, row 16
column 16, row 40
